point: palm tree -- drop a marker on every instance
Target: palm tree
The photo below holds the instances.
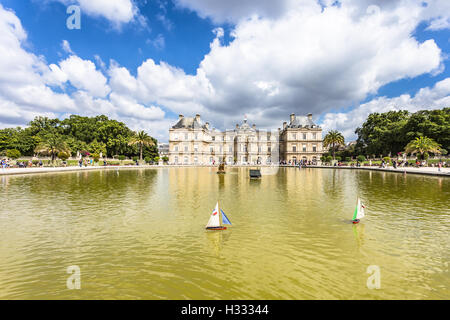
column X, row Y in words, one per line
column 52, row 144
column 334, row 138
column 423, row 145
column 142, row 139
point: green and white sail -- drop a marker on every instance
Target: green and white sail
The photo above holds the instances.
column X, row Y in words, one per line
column 359, row 210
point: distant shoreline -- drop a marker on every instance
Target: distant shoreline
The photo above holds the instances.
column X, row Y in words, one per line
column 431, row 171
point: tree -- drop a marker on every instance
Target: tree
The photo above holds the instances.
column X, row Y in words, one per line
column 63, row 155
column 52, row 144
column 361, row 158
column 333, row 138
column 142, row 139
column 390, row 132
column 13, row 154
column 434, row 124
column 423, row 145
column 382, row 133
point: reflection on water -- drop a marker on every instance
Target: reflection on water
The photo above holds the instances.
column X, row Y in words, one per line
column 140, row 234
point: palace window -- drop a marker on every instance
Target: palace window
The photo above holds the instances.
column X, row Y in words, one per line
column 186, row 148
column 269, row 149
column 294, row 148
column 186, row 159
column 230, row 149
column 213, row 138
column 314, row 148
column 304, row 136
column 294, row 136
column 195, row 159
column 211, row 149
column 176, row 148
column 314, row 136
column 176, row 159
column 195, row 148
column 304, row 148
column 196, row 136
column 185, row 136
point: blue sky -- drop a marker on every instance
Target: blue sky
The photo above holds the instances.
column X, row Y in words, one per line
column 223, row 60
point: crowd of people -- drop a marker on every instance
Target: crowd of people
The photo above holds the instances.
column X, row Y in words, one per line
column 8, row 163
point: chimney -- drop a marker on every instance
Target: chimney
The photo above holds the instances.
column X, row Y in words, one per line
column 310, row 116
column 180, row 117
column 197, row 117
column 292, row 117
column 237, row 126
column 284, row 125
column 254, row 126
column 207, row 126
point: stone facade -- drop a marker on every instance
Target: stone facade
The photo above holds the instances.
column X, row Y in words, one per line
column 301, row 139
column 192, row 141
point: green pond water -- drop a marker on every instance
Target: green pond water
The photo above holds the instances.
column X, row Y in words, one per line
column 139, row 234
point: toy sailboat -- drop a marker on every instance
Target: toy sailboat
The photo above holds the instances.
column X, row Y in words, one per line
column 359, row 212
column 217, row 220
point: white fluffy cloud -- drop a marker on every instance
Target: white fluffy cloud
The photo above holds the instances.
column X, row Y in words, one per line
column 237, row 10
column 83, row 75
column 27, row 86
column 117, row 12
column 309, row 60
column 22, row 85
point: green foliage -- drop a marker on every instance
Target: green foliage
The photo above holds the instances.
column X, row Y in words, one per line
column 13, row 154
column 94, row 134
column 422, row 146
column 95, row 156
column 333, row 139
column 156, row 159
column 348, row 159
column 52, row 144
column 361, row 158
column 121, row 157
column 135, row 158
column 148, row 159
column 96, row 147
column 387, row 159
column 63, row 155
column 390, row 132
column 338, row 158
column 141, row 139
column 329, row 158
column 165, row 159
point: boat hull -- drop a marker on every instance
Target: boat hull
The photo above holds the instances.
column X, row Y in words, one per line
column 355, row 221
column 216, row 228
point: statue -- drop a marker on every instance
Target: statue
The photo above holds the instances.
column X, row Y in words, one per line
column 222, row 167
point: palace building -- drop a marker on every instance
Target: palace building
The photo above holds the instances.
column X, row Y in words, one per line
column 192, row 141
